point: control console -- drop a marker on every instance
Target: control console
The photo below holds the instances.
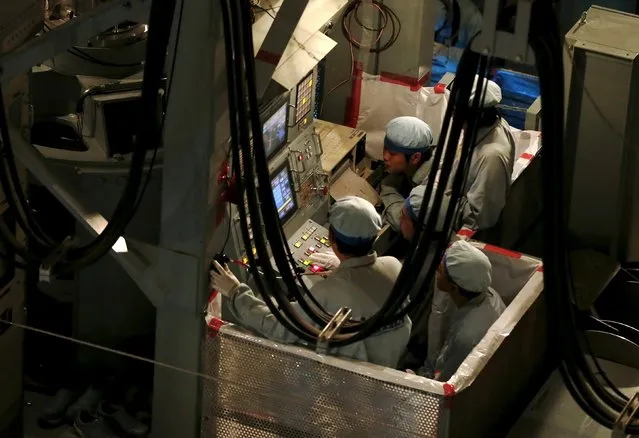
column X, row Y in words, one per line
column 309, row 239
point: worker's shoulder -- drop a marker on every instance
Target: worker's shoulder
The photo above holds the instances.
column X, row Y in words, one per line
column 388, row 263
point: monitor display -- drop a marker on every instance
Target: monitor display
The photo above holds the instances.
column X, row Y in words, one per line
column 283, row 193
column 274, row 131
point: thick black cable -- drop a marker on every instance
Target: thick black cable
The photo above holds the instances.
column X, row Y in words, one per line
column 13, row 192
column 576, row 372
column 160, row 24
column 167, row 98
column 278, row 243
column 299, row 329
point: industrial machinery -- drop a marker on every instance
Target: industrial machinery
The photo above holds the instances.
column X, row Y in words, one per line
column 269, row 76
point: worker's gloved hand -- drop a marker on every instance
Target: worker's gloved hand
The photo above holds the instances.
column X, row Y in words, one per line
column 223, row 280
column 327, row 260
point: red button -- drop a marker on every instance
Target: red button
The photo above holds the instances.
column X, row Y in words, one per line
column 317, row 268
column 300, row 157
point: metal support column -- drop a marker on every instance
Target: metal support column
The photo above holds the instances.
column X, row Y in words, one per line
column 196, row 130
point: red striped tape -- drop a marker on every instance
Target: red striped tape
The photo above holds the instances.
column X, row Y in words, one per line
column 268, row 57
column 449, row 395
column 527, row 156
column 407, row 81
column 465, row 232
column 215, row 324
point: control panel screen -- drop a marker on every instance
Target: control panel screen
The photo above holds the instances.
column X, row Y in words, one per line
column 274, row 131
column 283, row 193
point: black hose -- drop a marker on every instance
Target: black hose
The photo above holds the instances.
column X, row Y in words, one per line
column 160, row 24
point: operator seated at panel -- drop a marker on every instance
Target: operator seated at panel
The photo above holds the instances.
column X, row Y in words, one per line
column 491, row 166
column 362, row 282
column 408, row 146
column 465, row 274
column 431, row 317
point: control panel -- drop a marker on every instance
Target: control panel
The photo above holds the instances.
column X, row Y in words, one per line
column 311, row 238
column 305, row 160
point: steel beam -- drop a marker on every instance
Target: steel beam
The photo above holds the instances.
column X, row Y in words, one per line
column 280, row 33
column 134, row 257
column 61, row 38
column 195, row 138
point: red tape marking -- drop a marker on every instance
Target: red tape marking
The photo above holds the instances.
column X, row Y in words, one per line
column 502, row 251
column 527, row 156
column 466, row 233
column 356, row 97
column 540, row 268
column 214, row 293
column 407, row 81
column 268, row 57
column 449, row 395
column 215, row 324
column 440, row 88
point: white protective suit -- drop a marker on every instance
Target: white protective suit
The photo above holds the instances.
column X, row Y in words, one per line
column 469, row 325
column 391, row 192
column 362, row 284
column 489, row 176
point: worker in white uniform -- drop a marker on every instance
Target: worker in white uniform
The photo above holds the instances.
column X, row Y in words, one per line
column 491, row 166
column 408, row 148
column 362, row 282
column 465, row 273
column 432, row 318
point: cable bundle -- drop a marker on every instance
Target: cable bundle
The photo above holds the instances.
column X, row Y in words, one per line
column 600, row 403
column 40, row 245
column 388, row 19
column 254, row 186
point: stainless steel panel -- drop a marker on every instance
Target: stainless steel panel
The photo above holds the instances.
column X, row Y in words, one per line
column 602, row 135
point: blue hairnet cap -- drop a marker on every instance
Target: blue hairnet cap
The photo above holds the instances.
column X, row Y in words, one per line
column 408, row 135
column 415, row 201
column 354, row 220
column 468, row 267
column 492, row 95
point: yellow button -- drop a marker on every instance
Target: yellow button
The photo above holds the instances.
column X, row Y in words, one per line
column 322, row 241
column 297, row 244
column 305, row 237
column 245, row 260
column 254, row 251
column 310, row 82
column 307, row 262
column 304, row 101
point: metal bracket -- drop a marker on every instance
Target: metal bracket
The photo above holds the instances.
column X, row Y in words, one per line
column 279, row 34
column 44, row 271
column 511, row 46
column 331, row 329
column 626, row 417
column 61, row 38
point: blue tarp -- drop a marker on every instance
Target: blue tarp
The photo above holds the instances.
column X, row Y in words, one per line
column 519, row 90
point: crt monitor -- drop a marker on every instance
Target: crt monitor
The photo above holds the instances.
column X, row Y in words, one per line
column 274, row 130
column 283, row 194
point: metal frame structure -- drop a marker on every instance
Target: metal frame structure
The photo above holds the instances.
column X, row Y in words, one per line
column 174, row 274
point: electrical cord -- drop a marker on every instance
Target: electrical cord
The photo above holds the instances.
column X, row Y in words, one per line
column 269, row 218
column 161, row 20
column 239, row 130
column 388, row 18
column 167, row 98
